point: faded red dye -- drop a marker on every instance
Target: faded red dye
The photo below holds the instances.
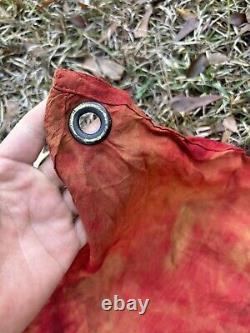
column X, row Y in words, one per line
column 167, row 218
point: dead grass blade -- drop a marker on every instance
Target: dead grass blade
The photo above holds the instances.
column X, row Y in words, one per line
column 141, row 30
column 41, row 158
column 248, row 15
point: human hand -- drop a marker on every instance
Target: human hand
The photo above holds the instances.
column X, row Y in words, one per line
column 38, row 239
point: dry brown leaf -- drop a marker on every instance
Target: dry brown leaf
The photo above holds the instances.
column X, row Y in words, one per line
column 186, row 14
column 198, row 66
column 36, row 50
column 230, row 124
column 111, row 69
column 244, row 29
column 11, row 110
column 101, row 66
column 191, row 23
column 45, row 3
column 78, row 21
column 217, row 128
column 84, row 3
column 90, row 64
column 142, row 27
column 109, row 32
column 183, row 103
column 217, row 58
column 238, row 19
column 19, row 4
column 188, row 27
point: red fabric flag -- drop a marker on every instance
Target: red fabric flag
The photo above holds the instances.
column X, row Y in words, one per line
column 167, row 219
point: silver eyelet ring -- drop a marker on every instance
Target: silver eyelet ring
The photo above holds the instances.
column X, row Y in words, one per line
column 74, row 123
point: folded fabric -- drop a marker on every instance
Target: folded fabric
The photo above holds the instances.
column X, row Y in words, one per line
column 167, row 219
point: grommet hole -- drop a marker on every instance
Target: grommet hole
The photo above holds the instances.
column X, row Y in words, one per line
column 89, row 123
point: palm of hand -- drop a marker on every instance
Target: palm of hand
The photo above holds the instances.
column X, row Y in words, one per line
column 38, row 239
column 36, row 224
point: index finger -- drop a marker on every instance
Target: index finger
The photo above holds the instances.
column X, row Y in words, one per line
column 27, row 138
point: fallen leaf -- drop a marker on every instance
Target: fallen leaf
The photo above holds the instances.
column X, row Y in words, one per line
column 217, row 127
column 188, row 27
column 244, row 29
column 101, row 66
column 19, row 4
column 84, row 3
column 198, row 66
column 36, row 50
column 183, row 103
column 109, row 32
column 91, row 64
column 45, row 3
column 217, row 58
column 191, row 23
column 186, row 14
column 11, row 110
column 111, row 69
column 78, row 21
column 230, row 124
column 142, row 27
column 238, row 19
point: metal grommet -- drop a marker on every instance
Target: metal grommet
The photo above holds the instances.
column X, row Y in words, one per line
column 74, row 123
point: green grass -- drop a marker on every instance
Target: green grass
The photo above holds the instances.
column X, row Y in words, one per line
column 34, row 42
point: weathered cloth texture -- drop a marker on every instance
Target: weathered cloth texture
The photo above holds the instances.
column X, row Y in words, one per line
column 167, row 218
